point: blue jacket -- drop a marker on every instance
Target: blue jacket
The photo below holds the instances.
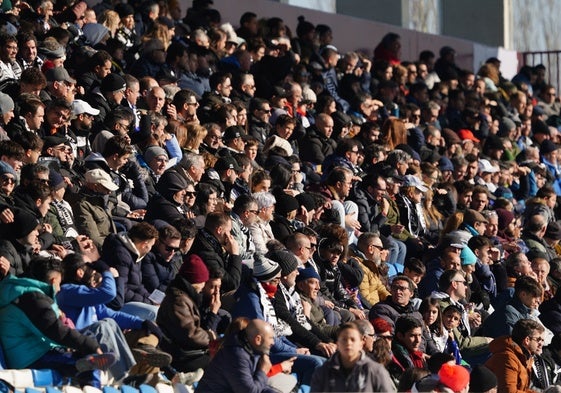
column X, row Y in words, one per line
column 501, row 322
column 85, row 305
column 234, row 370
column 30, row 325
column 157, row 273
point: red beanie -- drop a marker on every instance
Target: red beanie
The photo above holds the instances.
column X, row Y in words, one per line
column 453, row 376
column 194, row 269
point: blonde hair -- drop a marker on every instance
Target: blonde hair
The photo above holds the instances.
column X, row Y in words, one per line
column 111, row 20
column 195, row 135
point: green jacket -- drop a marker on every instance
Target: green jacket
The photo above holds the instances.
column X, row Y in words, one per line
column 30, row 324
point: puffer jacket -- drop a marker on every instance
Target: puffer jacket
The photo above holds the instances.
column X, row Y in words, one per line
column 511, row 365
column 119, row 253
column 30, row 325
column 180, row 320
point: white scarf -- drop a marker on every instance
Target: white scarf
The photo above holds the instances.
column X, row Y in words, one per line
column 280, row 327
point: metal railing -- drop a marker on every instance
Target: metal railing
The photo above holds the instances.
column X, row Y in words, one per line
column 552, row 62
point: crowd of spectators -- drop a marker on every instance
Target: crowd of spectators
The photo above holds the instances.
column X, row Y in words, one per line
column 258, row 211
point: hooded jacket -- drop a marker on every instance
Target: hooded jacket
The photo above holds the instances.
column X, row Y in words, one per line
column 30, row 325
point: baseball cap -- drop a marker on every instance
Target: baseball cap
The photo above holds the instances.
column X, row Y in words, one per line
column 227, row 162
column 80, row 106
column 414, row 181
column 99, row 176
column 59, row 74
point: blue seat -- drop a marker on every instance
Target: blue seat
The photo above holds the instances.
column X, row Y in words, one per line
column 32, row 390
column 110, row 389
column 128, row 389
column 43, row 378
column 147, row 389
column 52, row 389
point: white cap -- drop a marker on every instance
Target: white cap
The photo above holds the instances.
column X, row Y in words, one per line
column 485, row 166
column 80, row 106
column 99, row 176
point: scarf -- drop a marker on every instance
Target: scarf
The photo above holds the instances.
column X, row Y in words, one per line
column 280, row 327
column 64, row 215
column 294, row 305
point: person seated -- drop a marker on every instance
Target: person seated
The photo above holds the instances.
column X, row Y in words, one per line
column 511, row 359
column 406, row 346
column 244, row 363
column 288, row 306
column 180, row 317
column 33, row 334
column 398, row 304
column 255, row 299
column 161, row 264
column 308, row 286
column 124, row 251
column 86, row 288
column 527, row 297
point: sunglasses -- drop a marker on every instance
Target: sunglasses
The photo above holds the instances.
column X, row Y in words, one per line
column 172, row 249
column 190, row 193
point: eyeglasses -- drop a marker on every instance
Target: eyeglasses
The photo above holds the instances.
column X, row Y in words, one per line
column 195, row 104
column 371, row 334
column 386, row 337
column 171, row 249
column 399, row 288
column 537, row 339
column 313, row 245
column 8, row 180
column 254, row 211
column 335, row 251
column 190, row 194
column 274, row 281
column 377, row 246
column 462, row 281
column 265, row 111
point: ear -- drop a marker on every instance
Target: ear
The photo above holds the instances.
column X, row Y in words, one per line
column 80, row 273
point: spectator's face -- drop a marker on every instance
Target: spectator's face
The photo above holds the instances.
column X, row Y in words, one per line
column 28, row 51
column 349, row 344
column 225, row 88
column 32, row 238
column 8, row 182
column 167, row 248
column 8, row 116
column 451, row 320
column 9, row 51
column 492, row 226
column 156, row 99
column 57, row 117
column 264, row 185
column 541, row 268
column 251, row 152
column 325, row 126
column 44, row 205
column 479, row 201
column 411, row 339
column 310, row 288
column 158, row 164
column 212, row 202
column 103, row 70
column 128, row 22
column 451, row 260
column 264, row 113
column 401, row 293
column 534, row 343
column 465, row 198
column 285, row 131
column 190, row 195
column 59, row 151
column 34, row 120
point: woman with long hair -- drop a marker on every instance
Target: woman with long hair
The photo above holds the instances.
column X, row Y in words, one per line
column 394, row 133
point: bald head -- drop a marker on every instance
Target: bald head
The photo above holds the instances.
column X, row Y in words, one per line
column 257, row 327
column 156, row 99
column 324, row 124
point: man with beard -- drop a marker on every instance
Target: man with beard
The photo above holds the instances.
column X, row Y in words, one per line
column 81, row 124
column 217, row 247
column 82, row 297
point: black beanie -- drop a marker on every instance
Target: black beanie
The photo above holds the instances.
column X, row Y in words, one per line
column 285, row 204
column 482, row 379
column 286, row 260
column 23, row 224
